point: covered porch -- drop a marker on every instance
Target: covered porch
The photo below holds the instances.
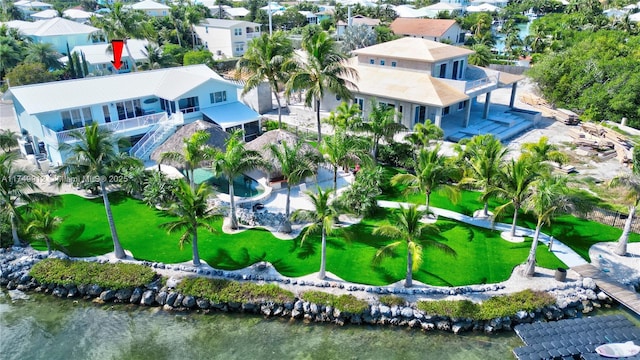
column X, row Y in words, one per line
column 234, row 116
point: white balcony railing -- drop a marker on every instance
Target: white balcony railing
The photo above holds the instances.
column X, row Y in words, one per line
column 474, row 85
column 252, row 35
column 59, row 137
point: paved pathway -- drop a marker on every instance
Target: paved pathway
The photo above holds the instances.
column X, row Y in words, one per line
column 562, row 251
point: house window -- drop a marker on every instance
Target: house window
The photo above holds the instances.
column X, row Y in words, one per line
column 443, row 71
column 393, row 64
column 106, row 113
column 400, row 109
column 188, row 105
column 446, row 111
column 129, row 109
column 386, row 105
column 372, row 61
column 218, row 96
column 461, row 69
column 237, row 32
column 461, row 105
column 360, row 103
column 239, row 47
column 76, row 118
column 382, row 62
column 454, row 72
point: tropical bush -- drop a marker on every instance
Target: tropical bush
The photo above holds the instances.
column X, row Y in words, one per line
column 111, row 276
column 495, row 307
column 392, row 300
column 361, row 197
column 221, row 291
column 396, row 154
column 346, row 303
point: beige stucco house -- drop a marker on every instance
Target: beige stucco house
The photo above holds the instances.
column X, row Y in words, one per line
column 423, row 80
column 227, row 38
column 443, row 30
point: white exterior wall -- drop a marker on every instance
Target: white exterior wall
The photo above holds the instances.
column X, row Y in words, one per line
column 216, row 39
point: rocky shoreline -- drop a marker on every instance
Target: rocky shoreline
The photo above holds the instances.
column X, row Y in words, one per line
column 580, row 299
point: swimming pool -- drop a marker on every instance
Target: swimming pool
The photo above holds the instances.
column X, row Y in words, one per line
column 243, row 185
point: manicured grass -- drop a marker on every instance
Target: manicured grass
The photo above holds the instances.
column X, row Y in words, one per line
column 483, row 257
column 578, row 234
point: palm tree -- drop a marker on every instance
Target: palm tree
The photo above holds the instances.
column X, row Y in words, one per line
column 266, row 59
column 408, row 228
column 43, row 223
column 481, row 56
column 543, row 151
column 322, row 219
column 483, row 158
column 294, row 165
column 121, row 24
column 195, row 152
column 15, row 183
column 95, row 153
column 323, row 70
column 345, row 117
column 515, row 183
column 156, row 59
column 10, row 55
column 193, row 14
column 431, row 173
column 422, row 134
column 381, row 125
column 193, row 211
column 632, row 184
column 8, row 140
column 235, row 161
column 43, row 53
column 550, row 196
column 342, row 149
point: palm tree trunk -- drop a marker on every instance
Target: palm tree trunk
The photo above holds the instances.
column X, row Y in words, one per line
column 133, row 61
column 427, row 201
column 318, row 121
column 374, row 152
column 530, row 267
column 48, row 242
column 408, row 282
column 117, row 248
column 175, row 25
column 279, row 109
column 14, row 229
column 621, row 248
column 234, row 220
column 513, row 225
column 335, row 181
column 194, row 247
column 193, row 36
column 323, row 256
column 192, row 181
column 286, row 226
column 486, row 209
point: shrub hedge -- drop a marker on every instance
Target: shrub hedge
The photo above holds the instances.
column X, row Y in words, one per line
column 221, row 291
column 346, row 303
column 111, row 276
column 495, row 307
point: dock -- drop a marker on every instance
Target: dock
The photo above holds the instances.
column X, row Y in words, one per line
column 575, row 339
column 615, row 290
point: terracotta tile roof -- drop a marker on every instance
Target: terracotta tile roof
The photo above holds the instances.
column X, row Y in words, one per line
column 415, row 49
column 404, row 85
column 421, row 27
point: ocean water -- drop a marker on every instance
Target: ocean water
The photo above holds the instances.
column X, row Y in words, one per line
column 44, row 327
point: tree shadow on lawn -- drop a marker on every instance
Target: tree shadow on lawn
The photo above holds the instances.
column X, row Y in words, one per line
column 224, row 260
column 424, row 277
column 79, row 245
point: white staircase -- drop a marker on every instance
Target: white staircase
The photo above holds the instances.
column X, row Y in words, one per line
column 165, row 128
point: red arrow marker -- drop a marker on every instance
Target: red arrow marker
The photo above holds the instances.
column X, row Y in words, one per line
column 116, row 46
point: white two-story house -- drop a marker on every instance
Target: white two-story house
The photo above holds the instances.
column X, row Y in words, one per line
column 423, row 80
column 227, row 38
column 142, row 106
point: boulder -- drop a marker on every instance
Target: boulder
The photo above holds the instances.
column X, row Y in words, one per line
column 407, row 313
column 59, row 291
column 171, row 298
column 94, row 290
column 107, row 295
column 124, row 295
column 202, row 303
column 161, row 298
column 189, row 301
column 588, row 283
column 148, row 298
column 385, row 310
column 136, row 295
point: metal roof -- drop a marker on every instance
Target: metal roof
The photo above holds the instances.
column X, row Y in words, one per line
column 168, row 83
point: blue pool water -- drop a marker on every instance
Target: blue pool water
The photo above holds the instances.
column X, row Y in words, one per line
column 243, row 185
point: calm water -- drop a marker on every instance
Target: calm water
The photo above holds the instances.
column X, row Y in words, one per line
column 44, row 327
column 243, row 186
column 524, row 32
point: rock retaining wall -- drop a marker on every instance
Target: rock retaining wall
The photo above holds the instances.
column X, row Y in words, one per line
column 16, row 263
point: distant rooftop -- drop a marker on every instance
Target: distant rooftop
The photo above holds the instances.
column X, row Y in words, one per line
column 415, row 49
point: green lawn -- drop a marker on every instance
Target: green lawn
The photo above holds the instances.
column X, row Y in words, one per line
column 482, row 255
column 578, row 234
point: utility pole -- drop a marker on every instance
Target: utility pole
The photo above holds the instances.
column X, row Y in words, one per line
column 270, row 23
